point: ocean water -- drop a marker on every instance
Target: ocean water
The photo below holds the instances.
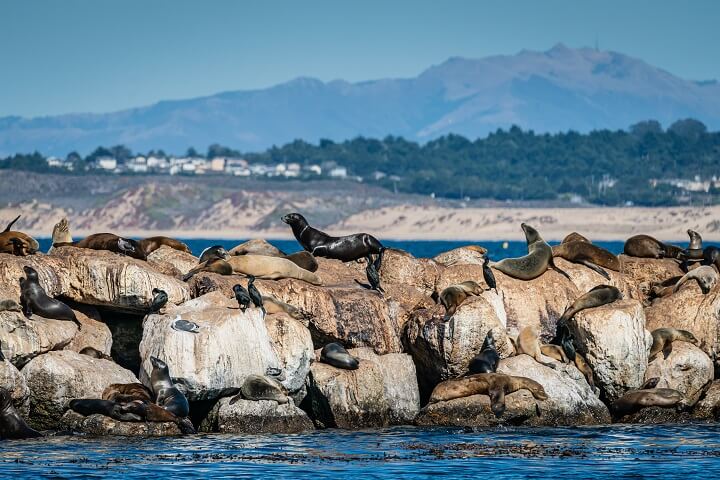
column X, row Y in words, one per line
column 638, row 451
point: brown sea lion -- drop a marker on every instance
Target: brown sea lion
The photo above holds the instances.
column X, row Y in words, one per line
column 532, row 265
column 127, row 392
column 259, row 387
column 645, row 246
column 589, row 255
column 95, row 353
column 93, row 406
column 574, row 237
column 495, row 385
column 17, row 243
column 214, row 265
column 528, row 343
column 271, row 268
column 275, row 305
column 454, row 295
column 97, row 241
column 663, row 339
column 304, row 260
column 596, row 297
column 706, row 277
column 555, row 352
column 149, row 245
column 636, row 400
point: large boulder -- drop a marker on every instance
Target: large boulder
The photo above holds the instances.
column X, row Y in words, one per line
column 51, row 273
column 442, row 349
column 55, row 378
column 687, row 369
column 382, row 391
column 470, row 255
column 93, row 333
column 172, row 262
column 709, row 406
column 294, row 347
column 12, row 380
column 23, row 339
column 615, row 343
column 100, row 425
column 401, row 268
column 229, row 346
column 641, row 273
column 256, row 417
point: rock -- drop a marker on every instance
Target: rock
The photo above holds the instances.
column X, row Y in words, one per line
column 658, row 415
column 474, row 411
column 101, row 425
column 23, row 339
column 615, row 343
column 229, row 346
column 709, row 406
column 55, row 378
column 585, row 279
column 401, row 268
column 12, row 380
column 442, row 350
column 570, row 402
column 641, row 273
column 294, row 347
column 687, row 369
column 382, row 391
column 256, row 417
column 51, row 272
column 688, row 309
column 470, row 255
column 94, row 333
column 171, row 262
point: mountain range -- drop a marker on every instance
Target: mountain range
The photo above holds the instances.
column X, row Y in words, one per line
column 557, row 90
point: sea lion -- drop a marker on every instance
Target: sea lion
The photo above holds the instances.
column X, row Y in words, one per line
column 575, row 237
column 488, row 275
column 532, row 265
column 587, row 254
column 528, row 343
column 254, row 294
column 9, row 305
column 166, row 393
column 304, row 260
column 242, row 296
column 454, row 295
column 711, row 256
column 214, row 252
column 99, row 241
column 558, row 353
column 213, row 265
column 663, row 339
column 150, row 244
column 92, row 406
column 12, row 425
column 150, row 412
column 127, row 392
column 694, row 251
column 636, row 400
column 34, row 300
column 555, row 352
column 335, row 354
column 95, row 353
column 486, row 361
column 706, row 277
column 259, row 387
column 645, row 246
column 320, row 244
column 11, row 241
column 19, row 247
column 596, row 297
column 274, row 305
column 160, row 299
column 271, row 268
column 495, row 385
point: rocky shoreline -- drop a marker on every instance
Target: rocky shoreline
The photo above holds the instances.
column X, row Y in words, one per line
column 404, row 345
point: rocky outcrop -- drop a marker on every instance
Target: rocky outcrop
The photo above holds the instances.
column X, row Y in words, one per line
column 294, row 348
column 709, row 406
column 229, row 346
column 256, row 417
column 641, row 273
column 23, row 339
column 93, row 332
column 474, row 411
column 55, row 378
column 101, row 425
column 171, row 262
column 585, row 279
column 470, row 255
column 615, row 343
column 12, row 380
column 687, row 369
column 382, row 391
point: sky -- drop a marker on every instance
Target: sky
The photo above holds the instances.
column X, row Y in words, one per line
column 98, row 55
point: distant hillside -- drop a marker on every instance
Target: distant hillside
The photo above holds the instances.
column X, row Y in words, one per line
column 557, row 90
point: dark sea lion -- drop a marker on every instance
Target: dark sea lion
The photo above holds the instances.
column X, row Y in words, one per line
column 528, row 343
column 242, row 296
column 645, row 246
column 167, row 394
column 596, row 297
column 258, row 387
column 636, row 400
column 254, row 294
column 92, row 406
column 9, row 305
column 150, row 412
column 487, row 360
column 488, row 275
column 95, row 353
column 150, row 244
column 34, row 300
column 532, row 265
column 663, row 339
column 574, row 237
column 335, row 354
column 214, row 252
column 454, row 295
column 711, row 256
column 706, row 277
column 495, row 385
column 304, row 260
column 695, row 248
column 214, row 265
column 19, row 247
column 12, row 425
column 320, row 244
column 589, row 255
column 127, row 392
column 160, row 299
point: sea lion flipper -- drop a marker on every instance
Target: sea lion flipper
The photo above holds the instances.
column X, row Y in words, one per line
column 667, row 350
column 9, row 225
column 552, row 265
column 596, row 268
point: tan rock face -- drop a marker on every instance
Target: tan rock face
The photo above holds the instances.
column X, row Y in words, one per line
column 171, row 262
column 229, row 346
column 641, row 273
column 51, row 272
column 615, row 343
column 382, row 391
column 401, row 268
column 474, row 255
column 101, row 425
column 294, row 347
column 256, row 417
column 585, row 279
column 55, row 378
column 12, row 380
column 687, row 369
column 93, row 333
column 23, row 339
column 570, row 402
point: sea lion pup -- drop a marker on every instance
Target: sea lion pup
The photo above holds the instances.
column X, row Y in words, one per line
column 532, row 265
column 12, row 425
column 214, row 265
column 320, row 244
column 92, row 406
column 166, row 393
column 705, row 276
column 95, row 353
column 127, row 392
column 495, row 385
column 486, row 361
column 7, row 245
column 34, row 300
column 587, row 254
column 271, row 268
column 645, row 246
column 97, row 241
column 150, row 244
column 575, row 237
column 9, row 305
column 259, row 387
column 527, row 342
column 335, row 354
column 663, row 339
column 454, row 295
column 150, row 412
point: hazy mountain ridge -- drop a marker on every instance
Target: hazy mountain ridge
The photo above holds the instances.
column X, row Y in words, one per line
column 561, row 89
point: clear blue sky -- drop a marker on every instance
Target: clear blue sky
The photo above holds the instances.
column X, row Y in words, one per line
column 95, row 55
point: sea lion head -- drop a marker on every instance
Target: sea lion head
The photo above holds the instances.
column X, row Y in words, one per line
column 695, row 240
column 531, row 235
column 689, row 337
column 489, row 341
column 159, row 366
column 216, row 252
column 294, row 219
column 30, row 273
